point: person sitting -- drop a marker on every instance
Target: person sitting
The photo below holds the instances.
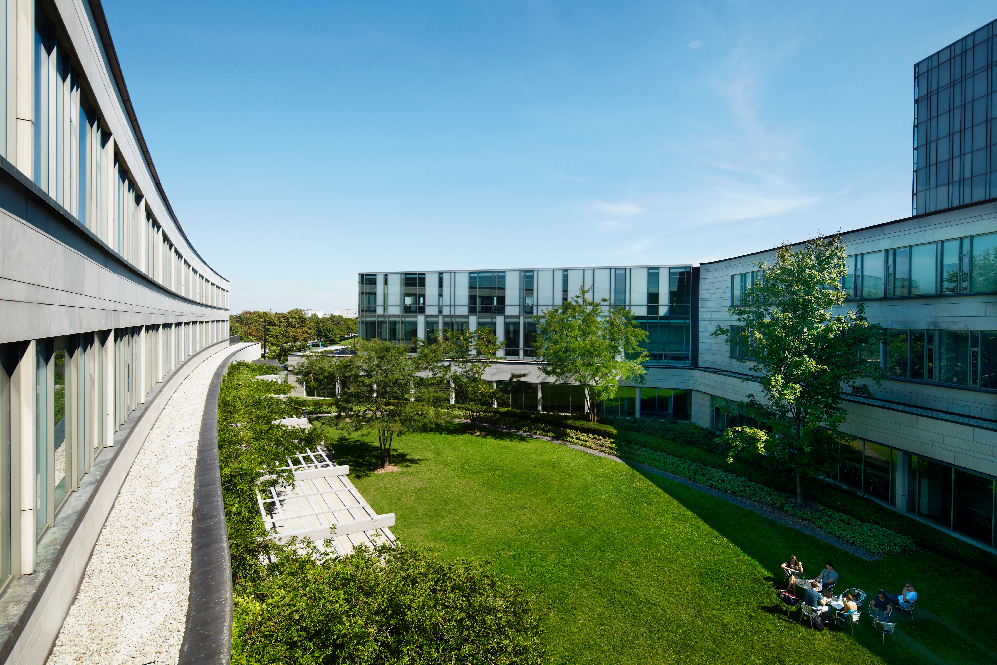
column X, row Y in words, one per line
column 905, row 600
column 814, row 598
column 880, row 608
column 827, row 578
column 793, row 569
column 849, row 606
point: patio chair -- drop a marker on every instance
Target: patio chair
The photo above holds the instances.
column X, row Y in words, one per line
column 811, row 613
column 885, row 628
column 850, row 618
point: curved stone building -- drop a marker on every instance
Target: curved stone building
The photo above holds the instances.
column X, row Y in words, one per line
column 101, row 293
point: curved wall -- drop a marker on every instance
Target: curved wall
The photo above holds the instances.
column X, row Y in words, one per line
column 101, row 292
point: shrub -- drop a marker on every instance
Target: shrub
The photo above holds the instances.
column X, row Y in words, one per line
column 395, row 605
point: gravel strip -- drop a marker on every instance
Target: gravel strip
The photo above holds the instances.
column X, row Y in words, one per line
column 755, row 506
column 131, row 606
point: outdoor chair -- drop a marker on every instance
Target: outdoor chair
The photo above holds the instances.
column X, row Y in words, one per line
column 851, row 618
column 811, row 613
column 885, row 628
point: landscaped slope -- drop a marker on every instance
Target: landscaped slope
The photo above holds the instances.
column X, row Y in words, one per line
column 632, row 568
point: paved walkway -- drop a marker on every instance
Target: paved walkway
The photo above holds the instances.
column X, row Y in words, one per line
column 132, row 604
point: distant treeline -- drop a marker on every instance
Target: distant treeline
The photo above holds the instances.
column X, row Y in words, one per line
column 291, row 331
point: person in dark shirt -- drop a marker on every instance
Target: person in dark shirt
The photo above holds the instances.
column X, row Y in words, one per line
column 794, row 570
column 880, row 608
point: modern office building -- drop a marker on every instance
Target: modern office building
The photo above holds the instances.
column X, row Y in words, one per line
column 926, row 443
column 101, row 292
column 955, row 131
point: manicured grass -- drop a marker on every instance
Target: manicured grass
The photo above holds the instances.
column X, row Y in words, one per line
column 632, row 568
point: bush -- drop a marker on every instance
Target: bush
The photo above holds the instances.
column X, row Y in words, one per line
column 395, row 605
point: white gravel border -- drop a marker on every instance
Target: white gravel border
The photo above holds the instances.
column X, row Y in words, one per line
column 132, row 603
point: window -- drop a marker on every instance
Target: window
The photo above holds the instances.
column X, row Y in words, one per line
column 620, row 287
column 512, row 337
column 741, row 282
column 527, row 299
column 740, row 343
column 652, row 292
column 984, row 263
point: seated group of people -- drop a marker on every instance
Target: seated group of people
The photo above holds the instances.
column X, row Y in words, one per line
column 819, row 591
column 882, row 605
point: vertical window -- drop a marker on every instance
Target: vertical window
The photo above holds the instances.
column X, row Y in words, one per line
column 620, row 287
column 83, row 160
column 564, row 286
column 512, row 337
column 528, row 293
column 58, row 419
column 41, row 436
column 954, row 357
column 872, row 275
column 899, row 272
column 984, row 263
column 653, row 292
column 922, row 269
column 951, row 277
column 848, row 281
column 896, row 354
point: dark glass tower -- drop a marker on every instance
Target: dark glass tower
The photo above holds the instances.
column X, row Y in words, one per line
column 955, row 134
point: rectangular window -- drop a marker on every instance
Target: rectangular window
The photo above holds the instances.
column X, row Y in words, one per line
column 620, row 287
column 898, row 279
column 954, row 357
column 917, row 354
column 984, row 263
column 952, row 277
column 652, row 291
column 848, row 282
column 877, row 474
column 564, row 286
column 57, row 419
column 973, row 506
column 922, row 269
column 41, row 437
column 896, row 354
column 933, row 490
column 526, row 278
column 872, row 275
column 512, row 338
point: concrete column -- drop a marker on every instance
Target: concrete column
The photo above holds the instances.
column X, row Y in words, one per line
column 22, row 463
column 637, row 403
column 540, row 398
column 109, row 381
column 904, row 487
column 110, row 179
column 24, row 151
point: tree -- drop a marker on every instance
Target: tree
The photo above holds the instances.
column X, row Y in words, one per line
column 583, row 343
column 802, row 353
column 286, row 332
column 381, row 392
column 459, row 360
column 333, row 328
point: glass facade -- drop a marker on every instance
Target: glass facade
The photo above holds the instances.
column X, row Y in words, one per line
column 954, row 135
column 956, row 266
column 394, row 306
column 953, row 357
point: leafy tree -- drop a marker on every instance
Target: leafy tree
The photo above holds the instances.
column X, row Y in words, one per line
column 583, row 343
column 333, row 328
column 381, row 392
column 803, row 355
column 286, row 332
column 459, row 361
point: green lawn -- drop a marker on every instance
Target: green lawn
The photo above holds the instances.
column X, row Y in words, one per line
column 632, row 568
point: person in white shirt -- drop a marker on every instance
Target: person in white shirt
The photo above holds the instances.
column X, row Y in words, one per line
column 906, row 599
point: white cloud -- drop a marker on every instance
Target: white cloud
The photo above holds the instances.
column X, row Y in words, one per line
column 694, row 45
column 621, row 209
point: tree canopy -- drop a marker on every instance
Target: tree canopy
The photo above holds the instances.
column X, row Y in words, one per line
column 586, row 342
column 289, row 332
column 802, row 353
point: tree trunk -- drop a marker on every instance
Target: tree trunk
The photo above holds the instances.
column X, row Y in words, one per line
column 590, row 407
column 799, row 488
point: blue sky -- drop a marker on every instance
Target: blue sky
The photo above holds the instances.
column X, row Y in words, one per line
column 302, row 143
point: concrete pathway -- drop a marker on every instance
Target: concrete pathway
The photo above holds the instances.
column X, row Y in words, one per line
column 132, row 604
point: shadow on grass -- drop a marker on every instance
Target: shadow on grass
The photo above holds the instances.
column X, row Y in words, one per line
column 770, row 543
column 364, row 457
